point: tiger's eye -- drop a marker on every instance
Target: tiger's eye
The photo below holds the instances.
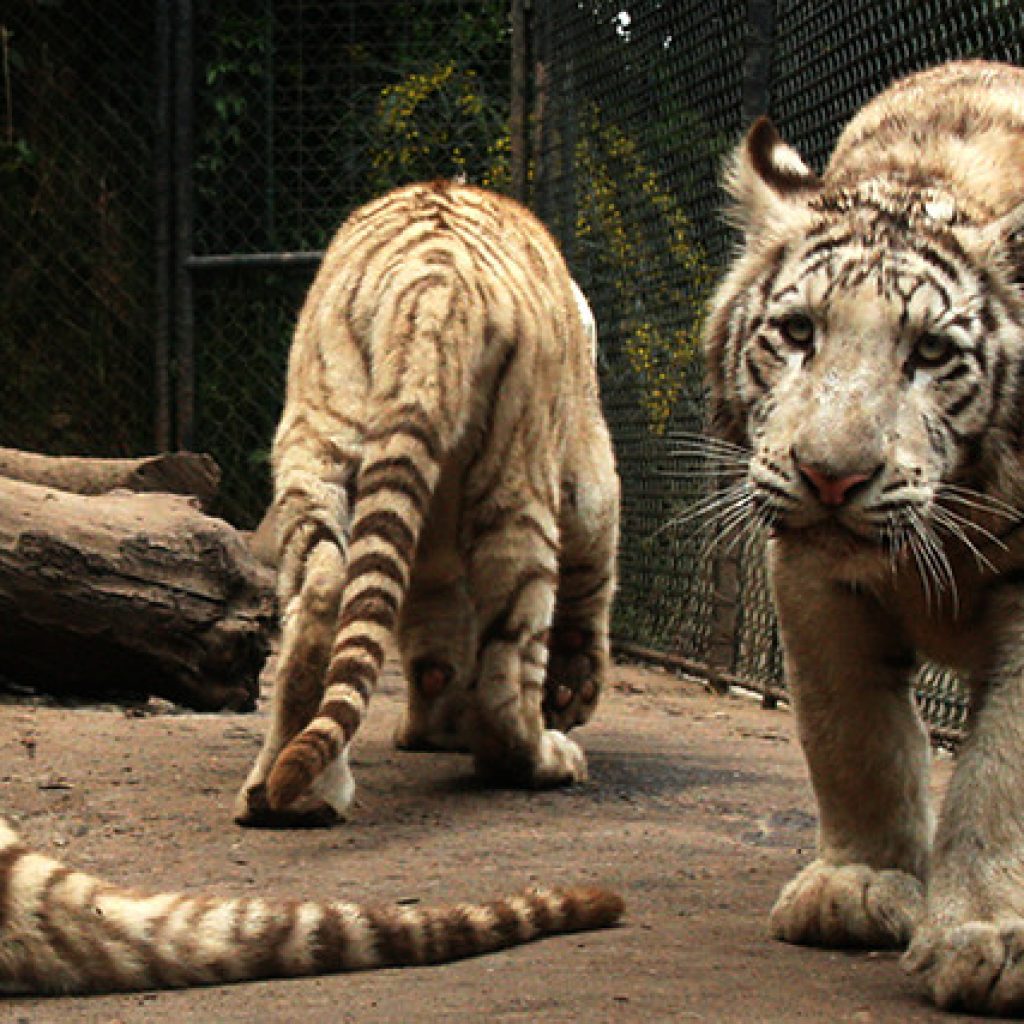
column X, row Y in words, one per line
column 932, row 349
column 798, row 330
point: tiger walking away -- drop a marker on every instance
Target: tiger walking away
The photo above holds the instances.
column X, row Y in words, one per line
column 443, row 476
column 866, row 363
column 64, row 932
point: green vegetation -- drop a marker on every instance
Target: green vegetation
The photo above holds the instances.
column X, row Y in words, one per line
column 639, row 231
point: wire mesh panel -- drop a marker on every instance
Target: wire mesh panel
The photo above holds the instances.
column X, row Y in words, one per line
column 636, row 104
column 306, row 109
column 245, row 317
column 828, row 61
column 635, row 107
column 77, row 226
column 253, row 129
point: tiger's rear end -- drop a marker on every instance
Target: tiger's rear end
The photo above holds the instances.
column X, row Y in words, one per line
column 442, row 473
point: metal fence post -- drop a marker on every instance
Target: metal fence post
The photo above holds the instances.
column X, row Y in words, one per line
column 184, row 320
column 518, row 101
column 163, row 241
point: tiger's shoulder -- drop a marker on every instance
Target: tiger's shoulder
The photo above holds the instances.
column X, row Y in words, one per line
column 958, row 125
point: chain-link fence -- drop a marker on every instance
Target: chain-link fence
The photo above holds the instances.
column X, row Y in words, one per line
column 171, row 170
column 170, row 173
column 637, row 103
column 78, row 212
column 635, row 110
column 304, row 110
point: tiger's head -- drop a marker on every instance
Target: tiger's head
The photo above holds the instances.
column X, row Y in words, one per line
column 867, row 347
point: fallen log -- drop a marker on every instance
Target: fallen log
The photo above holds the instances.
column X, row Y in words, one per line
column 133, row 594
column 174, row 472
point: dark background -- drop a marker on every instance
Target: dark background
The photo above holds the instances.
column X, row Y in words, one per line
column 170, row 171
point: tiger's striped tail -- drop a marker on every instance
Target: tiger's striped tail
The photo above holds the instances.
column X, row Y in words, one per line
column 423, row 405
column 63, row 931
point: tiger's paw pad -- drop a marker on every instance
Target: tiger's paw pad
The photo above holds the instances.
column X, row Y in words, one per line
column 571, row 685
column 431, row 676
column 847, row 905
column 976, row 967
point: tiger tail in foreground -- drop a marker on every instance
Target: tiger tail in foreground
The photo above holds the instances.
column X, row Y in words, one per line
column 62, row 931
column 866, row 362
column 443, row 474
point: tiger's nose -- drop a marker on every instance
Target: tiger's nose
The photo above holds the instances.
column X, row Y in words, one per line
column 832, row 491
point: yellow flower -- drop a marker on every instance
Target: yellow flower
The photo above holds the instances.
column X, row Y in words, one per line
column 680, row 274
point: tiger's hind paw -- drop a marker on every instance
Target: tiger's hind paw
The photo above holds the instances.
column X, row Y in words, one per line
column 560, row 762
column 325, row 804
column 335, row 785
column 572, row 684
column 253, row 810
column 555, row 761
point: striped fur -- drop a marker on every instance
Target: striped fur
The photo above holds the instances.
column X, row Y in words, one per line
column 865, row 355
column 62, row 931
column 443, row 474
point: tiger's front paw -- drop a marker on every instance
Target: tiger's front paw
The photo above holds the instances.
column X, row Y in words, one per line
column 976, row 966
column 848, row 905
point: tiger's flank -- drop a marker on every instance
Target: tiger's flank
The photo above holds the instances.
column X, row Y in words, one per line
column 62, row 931
column 866, row 363
column 443, row 477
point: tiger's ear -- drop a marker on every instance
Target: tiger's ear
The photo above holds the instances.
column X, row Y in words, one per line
column 769, row 183
column 1001, row 241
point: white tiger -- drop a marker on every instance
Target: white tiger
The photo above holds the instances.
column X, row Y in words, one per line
column 866, row 353
column 443, row 476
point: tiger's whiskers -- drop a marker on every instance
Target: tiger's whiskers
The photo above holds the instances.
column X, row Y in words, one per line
column 728, row 516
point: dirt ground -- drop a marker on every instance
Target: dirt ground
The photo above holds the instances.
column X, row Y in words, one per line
column 697, row 810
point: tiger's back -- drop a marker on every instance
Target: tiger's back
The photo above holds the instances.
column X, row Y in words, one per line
column 957, row 125
column 443, row 474
column 485, row 273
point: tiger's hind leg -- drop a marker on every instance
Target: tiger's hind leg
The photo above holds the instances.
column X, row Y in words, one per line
column 310, row 509
column 513, row 576
column 579, row 654
column 419, row 405
column 437, row 631
column 436, row 636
